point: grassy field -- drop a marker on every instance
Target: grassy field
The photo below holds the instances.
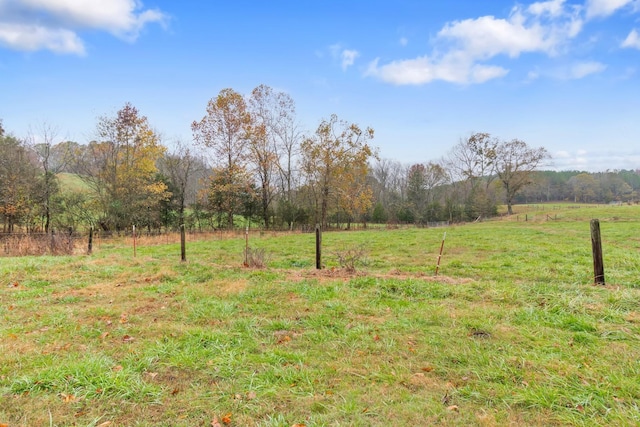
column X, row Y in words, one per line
column 511, row 332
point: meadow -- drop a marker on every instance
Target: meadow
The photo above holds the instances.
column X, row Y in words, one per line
column 512, row 331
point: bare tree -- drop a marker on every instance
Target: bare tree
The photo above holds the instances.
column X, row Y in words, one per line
column 42, row 143
column 182, row 167
column 515, row 162
column 272, row 143
column 470, row 164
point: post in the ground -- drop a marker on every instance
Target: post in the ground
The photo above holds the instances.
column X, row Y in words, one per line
column 90, row 247
column 440, row 254
column 596, row 247
column 318, row 247
column 183, row 248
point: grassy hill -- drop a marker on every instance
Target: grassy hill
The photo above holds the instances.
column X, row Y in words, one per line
column 70, row 182
column 511, row 332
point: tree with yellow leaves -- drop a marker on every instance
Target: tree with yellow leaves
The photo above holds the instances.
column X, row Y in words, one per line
column 121, row 169
column 335, row 161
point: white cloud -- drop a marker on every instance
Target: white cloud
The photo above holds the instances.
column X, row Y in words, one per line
column 404, row 41
column 552, row 8
column 604, row 8
column 33, row 37
column 53, row 24
column 348, row 58
column 632, row 40
column 544, row 27
column 584, row 69
column 422, row 70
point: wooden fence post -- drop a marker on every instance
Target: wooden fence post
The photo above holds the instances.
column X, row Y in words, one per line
column 90, row 247
column 596, row 248
column 246, row 246
column 183, row 248
column 440, row 255
column 318, row 247
column 134, row 240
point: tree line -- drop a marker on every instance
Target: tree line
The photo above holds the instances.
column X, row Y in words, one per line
column 250, row 163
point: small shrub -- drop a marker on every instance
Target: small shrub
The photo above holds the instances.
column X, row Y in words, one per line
column 256, row 258
column 352, row 257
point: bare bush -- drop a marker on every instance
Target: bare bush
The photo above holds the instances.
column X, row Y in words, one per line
column 256, row 257
column 352, row 257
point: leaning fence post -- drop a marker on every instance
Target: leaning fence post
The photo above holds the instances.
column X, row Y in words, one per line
column 318, row 247
column 596, row 248
column 440, row 255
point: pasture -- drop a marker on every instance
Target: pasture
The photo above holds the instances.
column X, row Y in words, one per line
column 511, row 332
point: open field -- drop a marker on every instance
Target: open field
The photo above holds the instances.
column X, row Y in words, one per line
column 512, row 331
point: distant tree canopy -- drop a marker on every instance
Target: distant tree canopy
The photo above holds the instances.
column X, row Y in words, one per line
column 250, row 164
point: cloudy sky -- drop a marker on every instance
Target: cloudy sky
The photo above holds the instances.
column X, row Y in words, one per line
column 563, row 74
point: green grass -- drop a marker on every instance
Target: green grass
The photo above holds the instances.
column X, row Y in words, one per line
column 70, row 182
column 512, row 331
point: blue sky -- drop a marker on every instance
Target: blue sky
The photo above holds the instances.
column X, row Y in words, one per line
column 562, row 74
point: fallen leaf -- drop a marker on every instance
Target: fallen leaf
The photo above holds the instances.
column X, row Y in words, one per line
column 251, row 395
column 127, row 338
column 104, row 424
column 215, row 423
column 427, row 369
column 66, row 398
column 299, row 425
column 283, row 339
column 117, row 368
column 175, row 391
column 227, row 419
column 104, row 335
column 123, row 318
column 453, row 408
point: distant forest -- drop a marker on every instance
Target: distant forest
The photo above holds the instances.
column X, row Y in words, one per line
column 250, row 164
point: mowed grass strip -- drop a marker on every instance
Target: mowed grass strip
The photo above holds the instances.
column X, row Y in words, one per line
column 512, row 331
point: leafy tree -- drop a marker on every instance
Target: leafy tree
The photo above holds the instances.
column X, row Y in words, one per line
column 584, row 186
column 226, row 130
column 515, row 162
column 422, row 183
column 121, row 169
column 379, row 215
column 18, row 174
column 333, row 159
column 230, row 191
